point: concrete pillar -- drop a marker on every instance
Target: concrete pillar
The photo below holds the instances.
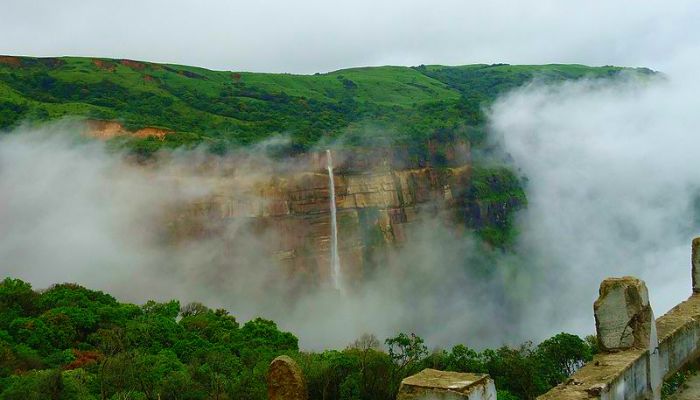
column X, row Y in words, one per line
column 442, row 385
column 285, row 380
column 696, row 265
column 623, row 316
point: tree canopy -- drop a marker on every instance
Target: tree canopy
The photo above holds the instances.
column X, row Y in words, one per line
column 69, row 342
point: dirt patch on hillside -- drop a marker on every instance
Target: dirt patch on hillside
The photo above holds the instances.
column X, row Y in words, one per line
column 154, row 132
column 104, row 64
column 148, row 78
column 133, row 64
column 11, row 61
column 105, row 130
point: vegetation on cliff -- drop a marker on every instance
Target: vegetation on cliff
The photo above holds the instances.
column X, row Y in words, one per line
column 69, row 342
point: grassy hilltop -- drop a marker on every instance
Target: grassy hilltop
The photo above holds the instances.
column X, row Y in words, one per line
column 228, row 109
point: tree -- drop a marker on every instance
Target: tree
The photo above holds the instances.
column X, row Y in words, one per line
column 193, row 309
column 405, row 349
column 16, row 299
column 262, row 333
column 365, row 342
column 516, row 370
column 464, row 359
column 561, row 355
column 170, row 309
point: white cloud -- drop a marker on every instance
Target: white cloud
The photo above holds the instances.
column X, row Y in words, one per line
column 71, row 211
column 613, row 174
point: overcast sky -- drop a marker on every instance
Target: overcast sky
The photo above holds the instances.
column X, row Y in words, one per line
column 307, row 36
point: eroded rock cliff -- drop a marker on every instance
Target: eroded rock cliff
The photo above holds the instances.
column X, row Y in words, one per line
column 378, row 199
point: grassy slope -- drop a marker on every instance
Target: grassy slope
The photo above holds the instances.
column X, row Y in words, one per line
column 229, row 108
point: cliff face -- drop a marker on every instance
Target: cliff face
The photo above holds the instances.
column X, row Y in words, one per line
column 375, row 208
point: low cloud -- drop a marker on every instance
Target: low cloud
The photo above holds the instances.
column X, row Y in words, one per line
column 613, row 188
column 73, row 211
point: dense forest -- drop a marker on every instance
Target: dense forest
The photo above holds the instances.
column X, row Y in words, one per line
column 70, row 342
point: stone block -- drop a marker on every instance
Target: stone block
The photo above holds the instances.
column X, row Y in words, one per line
column 285, row 380
column 623, row 316
column 442, row 385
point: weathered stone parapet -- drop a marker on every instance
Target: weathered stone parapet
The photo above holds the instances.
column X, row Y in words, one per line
column 629, row 374
column 442, row 385
column 623, row 315
column 636, row 373
column 695, row 262
column 610, row 376
column 285, row 380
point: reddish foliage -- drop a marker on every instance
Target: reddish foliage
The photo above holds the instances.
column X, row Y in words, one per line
column 84, row 358
column 150, row 131
column 105, row 65
column 133, row 64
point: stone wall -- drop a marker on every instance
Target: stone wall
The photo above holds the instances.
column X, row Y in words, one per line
column 634, row 372
column 679, row 336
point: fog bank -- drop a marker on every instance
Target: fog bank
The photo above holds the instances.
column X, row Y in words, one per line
column 611, row 177
column 613, row 182
column 72, row 211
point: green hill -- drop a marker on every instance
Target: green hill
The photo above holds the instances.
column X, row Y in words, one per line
column 225, row 109
column 221, row 110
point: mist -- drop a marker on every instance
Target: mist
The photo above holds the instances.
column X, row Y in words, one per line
column 612, row 187
column 74, row 210
column 611, row 178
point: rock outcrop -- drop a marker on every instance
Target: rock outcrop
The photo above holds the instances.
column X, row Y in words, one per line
column 379, row 198
column 285, row 380
column 623, row 315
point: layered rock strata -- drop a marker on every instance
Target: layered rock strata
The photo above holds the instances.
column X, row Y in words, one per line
column 376, row 209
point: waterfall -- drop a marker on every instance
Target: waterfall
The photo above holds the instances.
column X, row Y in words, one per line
column 335, row 258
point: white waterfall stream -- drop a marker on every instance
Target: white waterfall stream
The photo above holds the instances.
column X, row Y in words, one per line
column 335, row 258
